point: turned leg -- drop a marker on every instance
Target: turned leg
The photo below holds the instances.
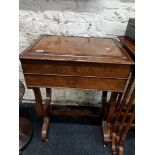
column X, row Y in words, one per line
column 43, row 110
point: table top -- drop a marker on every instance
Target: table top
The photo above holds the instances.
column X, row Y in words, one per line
column 79, row 49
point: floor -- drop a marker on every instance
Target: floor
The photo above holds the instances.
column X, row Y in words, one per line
column 70, row 136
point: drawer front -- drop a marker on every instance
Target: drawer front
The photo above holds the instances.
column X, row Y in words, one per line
column 116, row 85
column 80, row 69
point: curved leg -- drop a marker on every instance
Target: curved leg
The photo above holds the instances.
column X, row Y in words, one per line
column 46, row 110
column 45, row 127
column 39, row 105
column 43, row 110
column 106, row 125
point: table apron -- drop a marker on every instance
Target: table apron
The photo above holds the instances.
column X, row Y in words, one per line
column 94, row 83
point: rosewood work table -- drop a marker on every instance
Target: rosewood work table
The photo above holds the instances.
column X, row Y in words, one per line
column 74, row 62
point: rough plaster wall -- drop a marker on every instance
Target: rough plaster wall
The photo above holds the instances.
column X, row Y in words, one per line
column 92, row 18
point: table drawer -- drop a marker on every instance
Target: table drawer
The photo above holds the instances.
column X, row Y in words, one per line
column 80, row 69
column 108, row 84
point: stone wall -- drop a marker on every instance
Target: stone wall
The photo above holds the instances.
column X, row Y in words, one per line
column 91, row 18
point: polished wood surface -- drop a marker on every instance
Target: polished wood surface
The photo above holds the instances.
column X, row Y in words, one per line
column 43, row 110
column 75, row 82
column 118, row 123
column 129, row 45
column 75, row 68
column 77, row 49
column 56, row 61
column 74, row 62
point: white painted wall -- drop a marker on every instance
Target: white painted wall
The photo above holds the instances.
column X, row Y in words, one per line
column 92, row 18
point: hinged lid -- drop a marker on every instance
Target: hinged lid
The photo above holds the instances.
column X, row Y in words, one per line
column 81, row 49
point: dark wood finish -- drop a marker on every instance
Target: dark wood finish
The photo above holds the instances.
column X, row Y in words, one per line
column 77, row 49
column 118, row 101
column 129, row 105
column 119, row 129
column 106, row 125
column 25, row 132
column 43, row 110
column 129, row 45
column 116, row 150
column 39, row 105
column 76, row 68
column 127, row 127
column 87, row 63
column 75, row 111
column 124, row 114
column 126, row 94
column 115, row 85
column 74, row 62
column 112, row 105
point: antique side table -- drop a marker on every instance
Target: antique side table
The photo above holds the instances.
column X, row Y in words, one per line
column 74, row 62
